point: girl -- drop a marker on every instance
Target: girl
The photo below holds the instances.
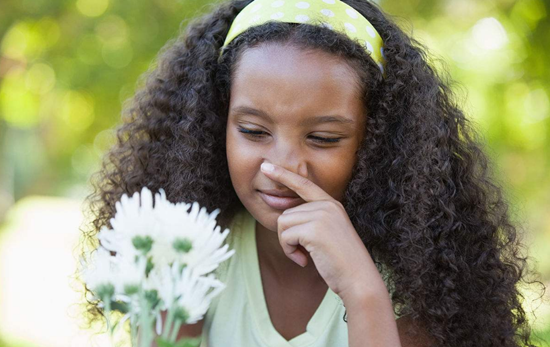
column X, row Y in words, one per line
column 379, row 205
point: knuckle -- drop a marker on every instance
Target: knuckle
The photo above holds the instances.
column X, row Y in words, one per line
column 304, row 182
column 325, row 212
column 327, row 206
column 334, row 205
column 287, row 250
column 283, row 242
column 281, row 225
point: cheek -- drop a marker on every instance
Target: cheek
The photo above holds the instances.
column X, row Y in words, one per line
column 241, row 159
column 336, row 173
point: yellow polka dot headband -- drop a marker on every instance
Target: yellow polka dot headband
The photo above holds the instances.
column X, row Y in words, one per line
column 333, row 14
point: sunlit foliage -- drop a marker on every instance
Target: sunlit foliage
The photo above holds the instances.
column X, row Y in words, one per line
column 67, row 67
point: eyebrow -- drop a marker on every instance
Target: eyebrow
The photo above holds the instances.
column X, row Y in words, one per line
column 242, row 110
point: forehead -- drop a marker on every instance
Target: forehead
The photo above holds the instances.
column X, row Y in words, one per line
column 286, row 80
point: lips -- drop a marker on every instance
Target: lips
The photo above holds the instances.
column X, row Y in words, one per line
column 280, row 202
column 275, row 192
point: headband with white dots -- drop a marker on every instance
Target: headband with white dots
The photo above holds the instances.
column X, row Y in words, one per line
column 333, row 14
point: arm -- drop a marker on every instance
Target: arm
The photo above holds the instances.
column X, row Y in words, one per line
column 371, row 320
column 371, row 323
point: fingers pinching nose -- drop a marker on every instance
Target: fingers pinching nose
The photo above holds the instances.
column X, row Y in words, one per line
column 268, row 167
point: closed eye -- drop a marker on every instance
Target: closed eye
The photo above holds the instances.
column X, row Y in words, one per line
column 260, row 134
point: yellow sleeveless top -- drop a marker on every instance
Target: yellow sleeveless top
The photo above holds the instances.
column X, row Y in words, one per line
column 238, row 316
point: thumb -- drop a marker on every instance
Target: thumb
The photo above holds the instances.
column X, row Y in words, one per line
column 299, row 256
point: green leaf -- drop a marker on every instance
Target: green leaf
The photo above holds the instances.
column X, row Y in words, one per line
column 164, row 343
column 189, row 342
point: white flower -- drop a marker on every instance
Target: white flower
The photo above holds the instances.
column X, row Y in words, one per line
column 206, row 254
column 195, row 293
column 198, row 228
column 100, row 276
column 185, row 291
column 134, row 226
column 130, row 275
column 162, row 252
column 166, row 232
column 163, row 279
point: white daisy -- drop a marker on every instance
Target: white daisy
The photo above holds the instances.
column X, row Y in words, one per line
column 134, row 226
column 100, row 276
column 161, row 249
column 194, row 295
column 130, row 275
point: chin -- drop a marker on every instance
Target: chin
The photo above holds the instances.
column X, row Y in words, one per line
column 271, row 226
column 262, row 213
column 268, row 220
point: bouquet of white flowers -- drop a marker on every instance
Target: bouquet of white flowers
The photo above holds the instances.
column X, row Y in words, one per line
column 158, row 257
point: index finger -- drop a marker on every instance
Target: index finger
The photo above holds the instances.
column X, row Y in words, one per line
column 306, row 189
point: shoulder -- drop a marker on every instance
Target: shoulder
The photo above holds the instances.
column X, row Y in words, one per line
column 413, row 334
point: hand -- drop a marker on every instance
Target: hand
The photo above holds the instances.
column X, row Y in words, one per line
column 322, row 227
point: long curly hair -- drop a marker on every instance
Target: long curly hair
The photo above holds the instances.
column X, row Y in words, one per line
column 421, row 196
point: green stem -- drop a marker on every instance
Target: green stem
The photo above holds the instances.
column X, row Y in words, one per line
column 168, row 324
column 107, row 313
column 144, row 321
column 175, row 331
column 133, row 327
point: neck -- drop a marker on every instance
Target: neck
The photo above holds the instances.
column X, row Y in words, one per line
column 273, row 259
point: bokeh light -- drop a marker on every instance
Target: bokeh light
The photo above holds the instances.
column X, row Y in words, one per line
column 489, row 34
column 92, row 8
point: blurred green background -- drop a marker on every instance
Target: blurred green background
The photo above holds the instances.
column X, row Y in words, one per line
column 68, row 66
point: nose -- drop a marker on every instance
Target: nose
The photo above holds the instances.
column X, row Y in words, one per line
column 286, row 155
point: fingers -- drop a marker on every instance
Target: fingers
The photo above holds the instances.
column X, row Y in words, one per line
column 290, row 239
column 302, row 186
column 293, row 230
column 308, row 207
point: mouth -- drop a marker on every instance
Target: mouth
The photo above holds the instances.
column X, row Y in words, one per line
column 280, row 202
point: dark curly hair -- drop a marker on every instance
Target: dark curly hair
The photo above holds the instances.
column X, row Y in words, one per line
column 421, row 196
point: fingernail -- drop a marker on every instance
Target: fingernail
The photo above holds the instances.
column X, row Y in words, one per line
column 268, row 167
column 295, row 259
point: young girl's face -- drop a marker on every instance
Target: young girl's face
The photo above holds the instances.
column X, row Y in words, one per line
column 293, row 101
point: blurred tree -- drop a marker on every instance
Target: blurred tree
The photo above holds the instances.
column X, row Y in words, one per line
column 66, row 67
